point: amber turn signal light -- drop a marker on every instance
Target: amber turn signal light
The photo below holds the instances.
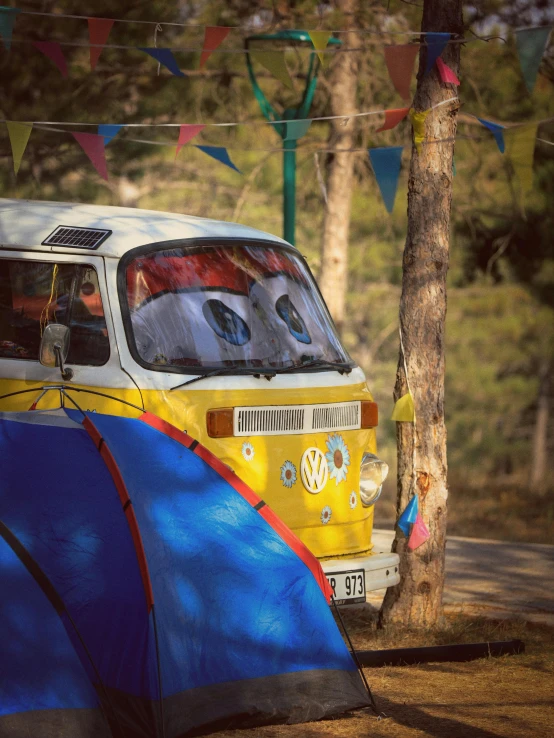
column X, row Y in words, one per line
column 220, row 422
column 370, row 414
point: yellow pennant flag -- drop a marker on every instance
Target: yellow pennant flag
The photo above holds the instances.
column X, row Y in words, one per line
column 404, row 410
column 274, row 62
column 520, row 147
column 320, row 39
column 418, row 124
column 19, row 135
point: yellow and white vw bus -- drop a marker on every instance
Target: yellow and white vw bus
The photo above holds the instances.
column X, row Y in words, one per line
column 217, row 328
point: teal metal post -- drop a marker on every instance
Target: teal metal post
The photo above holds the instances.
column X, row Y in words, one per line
column 289, row 189
column 299, row 113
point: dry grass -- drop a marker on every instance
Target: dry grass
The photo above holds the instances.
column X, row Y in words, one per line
column 508, row 696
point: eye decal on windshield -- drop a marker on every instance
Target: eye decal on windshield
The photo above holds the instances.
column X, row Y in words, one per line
column 225, row 322
column 287, row 312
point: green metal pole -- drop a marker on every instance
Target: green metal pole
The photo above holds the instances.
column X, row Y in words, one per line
column 289, row 189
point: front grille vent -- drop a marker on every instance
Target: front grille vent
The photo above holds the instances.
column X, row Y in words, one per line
column 77, row 237
column 275, row 420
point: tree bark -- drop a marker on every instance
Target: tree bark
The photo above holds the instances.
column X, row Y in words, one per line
column 417, row 600
column 540, row 435
column 333, row 276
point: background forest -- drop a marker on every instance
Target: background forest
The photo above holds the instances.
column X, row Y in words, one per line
column 500, row 326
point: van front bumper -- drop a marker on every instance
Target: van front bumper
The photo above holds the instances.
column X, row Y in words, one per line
column 381, row 569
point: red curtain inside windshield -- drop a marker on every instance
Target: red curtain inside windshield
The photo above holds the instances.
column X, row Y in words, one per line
column 232, row 269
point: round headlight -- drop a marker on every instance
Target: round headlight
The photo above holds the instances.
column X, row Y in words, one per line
column 373, row 473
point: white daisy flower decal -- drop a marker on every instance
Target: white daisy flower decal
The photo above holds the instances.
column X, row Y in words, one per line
column 338, row 457
column 326, row 514
column 353, row 501
column 288, row 474
column 248, row 451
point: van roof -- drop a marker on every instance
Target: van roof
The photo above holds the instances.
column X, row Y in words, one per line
column 25, row 224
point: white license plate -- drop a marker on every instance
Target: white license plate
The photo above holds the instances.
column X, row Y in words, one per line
column 348, row 586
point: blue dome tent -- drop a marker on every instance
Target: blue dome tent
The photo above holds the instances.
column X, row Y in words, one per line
column 148, row 592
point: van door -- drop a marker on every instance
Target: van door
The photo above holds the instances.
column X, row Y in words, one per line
column 41, row 288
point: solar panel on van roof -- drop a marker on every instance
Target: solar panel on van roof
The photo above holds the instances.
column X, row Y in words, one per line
column 77, row 237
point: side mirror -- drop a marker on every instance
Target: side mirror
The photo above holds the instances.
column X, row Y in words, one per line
column 54, row 347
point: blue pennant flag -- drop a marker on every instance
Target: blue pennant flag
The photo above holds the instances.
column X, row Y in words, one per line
column 531, row 43
column 497, row 132
column 386, row 163
column 295, row 129
column 219, row 153
column 435, row 44
column 7, row 22
column 165, row 57
column 409, row 516
column 109, row 131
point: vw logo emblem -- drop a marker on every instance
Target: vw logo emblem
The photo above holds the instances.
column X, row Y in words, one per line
column 314, row 470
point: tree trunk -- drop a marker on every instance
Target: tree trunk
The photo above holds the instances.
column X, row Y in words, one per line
column 417, row 600
column 333, row 276
column 540, row 436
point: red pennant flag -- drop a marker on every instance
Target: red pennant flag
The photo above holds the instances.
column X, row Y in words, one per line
column 400, row 63
column 446, row 74
column 393, row 118
column 93, row 146
column 98, row 31
column 54, row 52
column 213, row 37
column 186, row 133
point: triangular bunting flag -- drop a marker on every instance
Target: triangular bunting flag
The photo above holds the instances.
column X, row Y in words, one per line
column 186, row 133
column 446, row 74
column 400, row 64
column 320, row 39
column 531, row 43
column 7, row 22
column 98, row 31
column 435, row 44
column 520, row 148
column 274, row 62
column 165, row 57
column 19, row 135
column 295, row 129
column 408, row 517
column 54, row 52
column 404, row 410
column 220, row 154
column 393, row 118
column 213, row 37
column 108, row 131
column 93, row 146
column 420, row 533
column 497, row 131
column 386, row 163
column 418, row 124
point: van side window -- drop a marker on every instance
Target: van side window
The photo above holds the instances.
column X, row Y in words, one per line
column 35, row 293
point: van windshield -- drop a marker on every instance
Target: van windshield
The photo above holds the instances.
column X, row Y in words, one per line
column 227, row 306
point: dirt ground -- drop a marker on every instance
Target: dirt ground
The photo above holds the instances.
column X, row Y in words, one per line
column 493, row 697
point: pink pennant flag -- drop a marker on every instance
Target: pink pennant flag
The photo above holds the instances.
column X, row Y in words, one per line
column 446, row 74
column 400, row 62
column 420, row 533
column 393, row 118
column 213, row 37
column 98, row 31
column 186, row 133
column 93, row 146
column 54, row 52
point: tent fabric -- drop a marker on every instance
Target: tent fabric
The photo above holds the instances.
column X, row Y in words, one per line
column 149, row 591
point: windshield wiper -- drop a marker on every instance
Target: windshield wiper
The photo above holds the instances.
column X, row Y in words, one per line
column 339, row 366
column 228, row 370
